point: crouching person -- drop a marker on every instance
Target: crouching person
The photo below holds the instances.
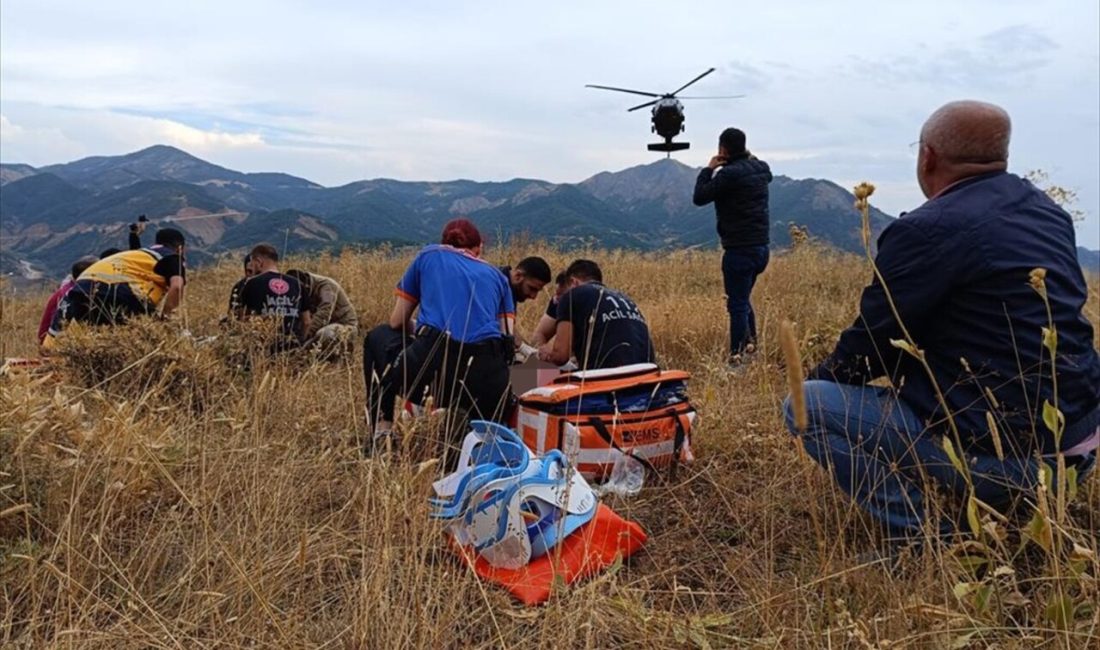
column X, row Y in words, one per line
column 77, row 268
column 269, row 294
column 957, row 270
column 124, row 285
column 459, row 348
column 597, row 326
column 329, row 321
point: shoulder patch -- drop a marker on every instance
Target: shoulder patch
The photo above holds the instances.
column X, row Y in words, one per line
column 278, row 286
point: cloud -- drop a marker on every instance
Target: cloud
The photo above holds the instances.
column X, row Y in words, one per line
column 997, row 58
column 1018, row 38
column 35, row 145
column 7, row 129
column 44, row 135
column 188, row 137
column 787, row 155
column 737, row 77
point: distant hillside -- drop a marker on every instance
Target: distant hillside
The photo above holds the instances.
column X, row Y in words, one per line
column 164, row 163
column 52, row 214
column 660, row 193
column 9, row 173
column 31, row 199
column 287, row 229
column 1090, row 260
column 824, row 207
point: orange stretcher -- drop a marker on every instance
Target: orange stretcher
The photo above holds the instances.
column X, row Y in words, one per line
column 591, row 549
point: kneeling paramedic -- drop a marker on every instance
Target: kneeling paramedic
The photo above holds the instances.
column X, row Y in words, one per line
column 126, row 284
column 459, row 348
column 596, row 325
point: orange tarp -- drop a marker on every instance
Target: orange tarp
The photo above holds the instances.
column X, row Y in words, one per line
column 592, row 548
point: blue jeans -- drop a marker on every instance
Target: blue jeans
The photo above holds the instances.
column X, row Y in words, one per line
column 877, row 450
column 740, row 266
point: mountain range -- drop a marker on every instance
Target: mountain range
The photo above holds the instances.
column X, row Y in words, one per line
column 51, row 215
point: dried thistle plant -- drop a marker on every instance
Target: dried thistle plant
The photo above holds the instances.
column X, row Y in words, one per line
column 862, row 192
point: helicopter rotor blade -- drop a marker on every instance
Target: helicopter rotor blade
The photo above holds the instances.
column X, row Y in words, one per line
column 623, row 90
column 692, row 81
column 641, row 106
column 715, row 97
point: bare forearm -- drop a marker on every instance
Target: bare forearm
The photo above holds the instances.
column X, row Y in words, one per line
column 401, row 316
column 172, row 300
column 544, row 331
column 558, row 351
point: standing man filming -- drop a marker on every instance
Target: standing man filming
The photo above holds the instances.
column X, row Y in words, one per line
column 737, row 183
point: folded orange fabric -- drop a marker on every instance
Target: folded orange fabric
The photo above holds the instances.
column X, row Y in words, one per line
column 588, row 551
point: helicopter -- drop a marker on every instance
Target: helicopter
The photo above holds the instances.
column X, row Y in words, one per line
column 667, row 113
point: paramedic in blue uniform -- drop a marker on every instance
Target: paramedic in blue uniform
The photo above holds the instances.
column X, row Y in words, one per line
column 598, row 326
column 460, row 345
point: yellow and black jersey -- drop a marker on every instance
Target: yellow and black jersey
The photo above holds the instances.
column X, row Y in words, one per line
column 147, row 271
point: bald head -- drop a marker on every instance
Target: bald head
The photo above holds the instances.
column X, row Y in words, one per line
column 962, row 139
column 969, row 131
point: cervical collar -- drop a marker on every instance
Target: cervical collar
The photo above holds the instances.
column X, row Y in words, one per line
column 489, row 453
column 509, row 507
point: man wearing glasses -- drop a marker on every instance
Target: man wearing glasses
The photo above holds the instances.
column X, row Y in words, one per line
column 977, row 289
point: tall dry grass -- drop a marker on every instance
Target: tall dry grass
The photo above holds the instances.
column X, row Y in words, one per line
column 162, row 493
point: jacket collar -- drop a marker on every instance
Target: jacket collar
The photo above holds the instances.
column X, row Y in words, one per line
column 970, row 180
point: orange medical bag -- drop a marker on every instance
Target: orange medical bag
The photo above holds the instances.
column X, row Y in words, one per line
column 596, row 416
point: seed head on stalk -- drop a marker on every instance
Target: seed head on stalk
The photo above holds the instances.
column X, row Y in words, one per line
column 863, row 191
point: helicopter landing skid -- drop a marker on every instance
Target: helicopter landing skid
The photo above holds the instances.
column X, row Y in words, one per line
column 668, row 146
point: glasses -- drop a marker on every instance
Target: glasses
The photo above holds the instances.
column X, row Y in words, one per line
column 915, row 147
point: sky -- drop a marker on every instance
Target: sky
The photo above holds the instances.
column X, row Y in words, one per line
column 342, row 91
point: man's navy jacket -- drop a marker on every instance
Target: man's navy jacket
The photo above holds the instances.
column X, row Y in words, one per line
column 957, row 270
column 739, row 190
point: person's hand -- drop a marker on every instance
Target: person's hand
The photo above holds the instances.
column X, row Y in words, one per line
column 545, row 351
column 524, row 351
column 716, row 161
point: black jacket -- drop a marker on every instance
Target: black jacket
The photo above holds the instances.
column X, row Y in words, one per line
column 740, row 193
column 957, row 269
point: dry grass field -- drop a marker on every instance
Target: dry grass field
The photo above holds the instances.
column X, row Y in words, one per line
column 155, row 494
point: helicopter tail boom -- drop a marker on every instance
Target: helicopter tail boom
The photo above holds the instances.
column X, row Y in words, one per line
column 668, row 146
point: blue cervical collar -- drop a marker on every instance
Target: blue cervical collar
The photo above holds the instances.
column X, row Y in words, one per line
column 501, row 454
column 551, row 526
